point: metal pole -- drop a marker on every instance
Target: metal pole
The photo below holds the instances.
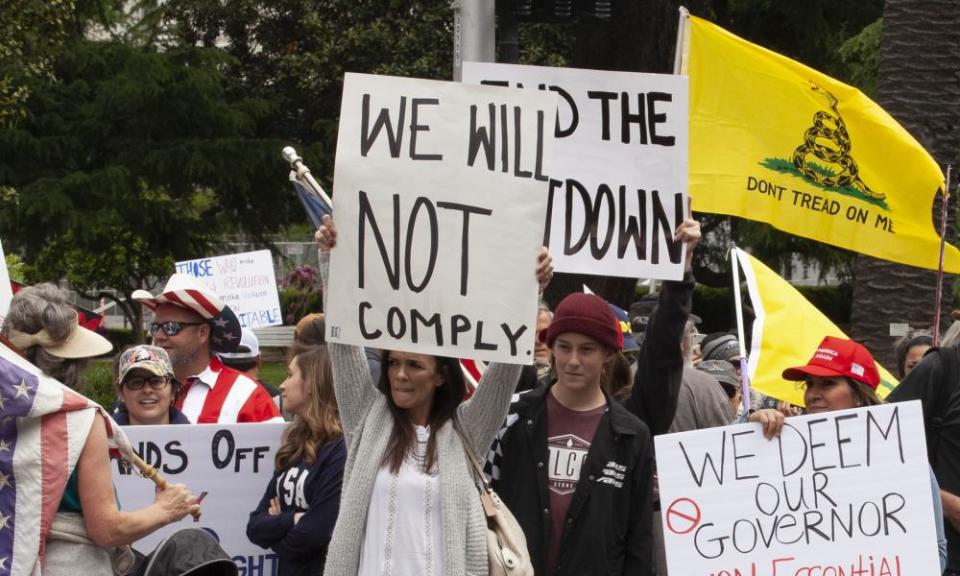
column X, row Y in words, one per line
column 738, row 304
column 943, row 244
column 474, row 26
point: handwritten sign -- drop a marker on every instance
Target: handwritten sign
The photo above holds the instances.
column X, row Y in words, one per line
column 245, row 282
column 440, row 191
column 6, row 292
column 233, row 464
column 845, row 492
column 619, row 189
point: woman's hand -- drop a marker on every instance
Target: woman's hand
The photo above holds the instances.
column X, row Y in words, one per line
column 274, row 509
column 326, row 235
column 771, row 420
column 177, row 501
column 544, row 268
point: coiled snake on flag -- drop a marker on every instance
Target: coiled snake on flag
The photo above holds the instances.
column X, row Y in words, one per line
column 829, row 127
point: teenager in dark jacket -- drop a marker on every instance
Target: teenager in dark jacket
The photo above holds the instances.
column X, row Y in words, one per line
column 297, row 513
column 575, row 466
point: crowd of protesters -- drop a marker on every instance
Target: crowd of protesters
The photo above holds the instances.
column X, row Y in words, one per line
column 373, row 472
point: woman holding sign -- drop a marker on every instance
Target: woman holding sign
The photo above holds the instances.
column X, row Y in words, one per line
column 841, row 375
column 410, row 505
column 299, row 508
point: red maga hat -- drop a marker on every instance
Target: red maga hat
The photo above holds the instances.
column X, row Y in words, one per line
column 838, row 357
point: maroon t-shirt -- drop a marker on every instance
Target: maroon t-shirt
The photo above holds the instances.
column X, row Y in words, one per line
column 569, row 434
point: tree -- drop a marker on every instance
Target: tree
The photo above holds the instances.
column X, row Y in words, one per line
column 31, row 33
column 920, row 49
column 129, row 159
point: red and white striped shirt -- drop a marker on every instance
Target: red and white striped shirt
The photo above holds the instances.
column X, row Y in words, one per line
column 222, row 395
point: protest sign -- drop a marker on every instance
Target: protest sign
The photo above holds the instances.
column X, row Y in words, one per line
column 6, row 292
column 844, row 492
column 231, row 463
column 245, row 282
column 440, row 191
column 619, row 187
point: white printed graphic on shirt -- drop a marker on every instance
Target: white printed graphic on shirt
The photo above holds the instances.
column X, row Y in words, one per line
column 567, row 455
column 290, row 487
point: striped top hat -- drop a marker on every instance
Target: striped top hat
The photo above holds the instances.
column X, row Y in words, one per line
column 184, row 291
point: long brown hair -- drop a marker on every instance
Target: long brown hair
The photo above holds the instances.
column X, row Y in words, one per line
column 320, row 424
column 446, row 399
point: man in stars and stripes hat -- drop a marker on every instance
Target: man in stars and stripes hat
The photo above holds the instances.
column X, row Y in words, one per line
column 193, row 325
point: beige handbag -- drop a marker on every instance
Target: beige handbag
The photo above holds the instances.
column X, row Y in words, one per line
column 506, row 544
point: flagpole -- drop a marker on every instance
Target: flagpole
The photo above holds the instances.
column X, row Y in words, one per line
column 678, row 51
column 943, row 243
column 304, row 176
column 744, row 375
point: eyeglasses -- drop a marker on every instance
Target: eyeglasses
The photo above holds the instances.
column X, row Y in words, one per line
column 171, row 328
column 156, row 383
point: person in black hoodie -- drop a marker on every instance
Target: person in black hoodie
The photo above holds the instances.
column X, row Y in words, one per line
column 298, row 511
column 574, row 465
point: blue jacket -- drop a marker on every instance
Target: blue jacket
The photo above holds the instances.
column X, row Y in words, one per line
column 313, row 490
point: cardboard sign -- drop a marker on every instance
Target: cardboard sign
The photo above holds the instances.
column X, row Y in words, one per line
column 245, row 282
column 845, row 492
column 231, row 463
column 440, row 191
column 6, row 292
column 619, row 189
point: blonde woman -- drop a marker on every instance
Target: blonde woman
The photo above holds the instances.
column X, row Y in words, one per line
column 296, row 515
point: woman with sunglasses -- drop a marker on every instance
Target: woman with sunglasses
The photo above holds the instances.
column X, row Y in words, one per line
column 146, row 388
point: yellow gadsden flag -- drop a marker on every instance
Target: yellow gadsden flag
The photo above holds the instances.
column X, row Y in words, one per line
column 775, row 141
column 786, row 332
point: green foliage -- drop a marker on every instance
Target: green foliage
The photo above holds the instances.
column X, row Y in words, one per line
column 98, row 383
column 133, row 159
column 716, row 310
column 32, row 32
column 15, row 268
column 861, row 57
column 295, row 303
column 120, row 338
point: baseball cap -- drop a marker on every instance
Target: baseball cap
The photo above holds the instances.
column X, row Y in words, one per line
column 721, row 370
column 248, row 349
column 838, row 357
column 153, row 359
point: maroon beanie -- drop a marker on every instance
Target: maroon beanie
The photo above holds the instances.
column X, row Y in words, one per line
column 585, row 314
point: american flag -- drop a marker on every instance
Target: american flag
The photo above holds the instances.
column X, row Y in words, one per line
column 43, row 428
column 314, row 206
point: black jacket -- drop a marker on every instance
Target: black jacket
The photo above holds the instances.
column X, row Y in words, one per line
column 656, row 385
column 608, row 528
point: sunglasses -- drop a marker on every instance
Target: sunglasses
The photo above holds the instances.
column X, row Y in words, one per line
column 171, row 328
column 136, row 383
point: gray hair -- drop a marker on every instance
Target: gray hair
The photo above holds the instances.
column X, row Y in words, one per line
column 952, row 336
column 45, row 307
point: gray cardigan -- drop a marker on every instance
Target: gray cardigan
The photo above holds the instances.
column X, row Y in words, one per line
column 367, row 424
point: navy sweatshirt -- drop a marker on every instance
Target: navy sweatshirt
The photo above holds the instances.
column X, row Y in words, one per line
column 314, row 490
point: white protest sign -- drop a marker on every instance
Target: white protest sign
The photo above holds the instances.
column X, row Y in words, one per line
column 245, row 282
column 619, row 187
column 6, row 292
column 440, row 191
column 845, row 492
column 231, row 463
